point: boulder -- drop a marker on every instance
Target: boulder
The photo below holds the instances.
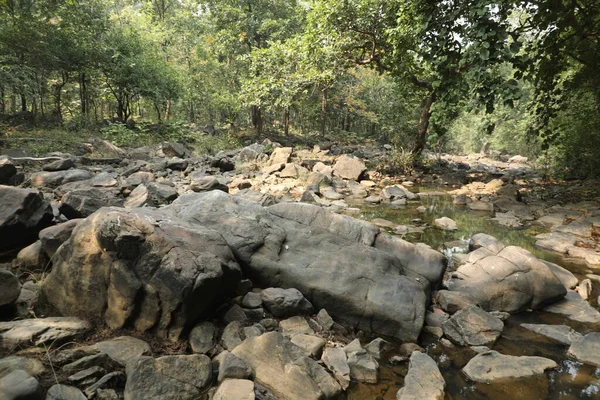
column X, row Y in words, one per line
column 10, row 288
column 183, row 377
column 173, row 149
column 82, row 203
column 452, row 302
column 232, row 367
column 235, row 389
column 203, row 337
column 59, row 165
column 329, row 258
column 138, row 197
column 336, row 361
column 491, row 366
column 574, row 308
column 587, row 349
column 40, row 331
column 445, row 224
column 160, row 194
column 53, row 237
column 281, row 367
column 284, row 303
column 510, row 280
column 19, row 385
column 397, row 192
column 423, row 381
column 32, row 366
column 363, row 366
column 147, row 271
column 177, row 164
column 207, row 183
column 562, row 334
column 280, row 155
column 32, row 258
column 472, row 326
column 55, row 179
column 312, row 345
column 23, row 214
column 349, row 167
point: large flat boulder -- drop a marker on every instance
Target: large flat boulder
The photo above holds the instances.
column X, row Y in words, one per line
column 40, row 331
column 145, row 269
column 349, row 167
column 56, row 178
column 23, row 213
column 492, row 366
column 509, row 279
column 329, row 259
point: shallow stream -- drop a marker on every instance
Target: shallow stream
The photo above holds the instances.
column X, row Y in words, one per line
column 571, row 380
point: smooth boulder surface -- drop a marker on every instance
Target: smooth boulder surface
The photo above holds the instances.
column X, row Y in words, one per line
column 235, row 389
column 23, row 213
column 167, row 378
column 19, row 385
column 52, row 237
column 587, row 349
column 324, row 256
column 147, row 270
column 284, row 303
column 472, row 326
column 509, row 279
column 423, row 381
column 492, row 366
column 349, row 167
column 282, row 367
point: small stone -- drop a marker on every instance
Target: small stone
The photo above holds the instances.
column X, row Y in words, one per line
column 64, row 392
column 232, row 336
column 377, row 347
column 311, row 345
column 235, row 389
column 252, row 300
column 324, row 319
column 202, row 337
column 445, row 224
column 295, row 325
column 336, row 361
column 235, row 313
column 87, row 374
column 584, row 289
column 363, row 367
column 96, row 360
column 232, row 367
column 254, row 330
column 473, row 326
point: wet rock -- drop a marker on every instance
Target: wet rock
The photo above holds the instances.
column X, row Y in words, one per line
column 557, row 333
column 145, row 270
column 64, row 392
column 235, row 389
column 169, row 377
column 203, row 337
column 423, row 381
column 587, row 349
column 123, row 348
column 19, row 385
column 349, row 167
column 55, row 179
column 445, row 224
column 284, row 303
column 23, row 214
column 232, row 367
column 472, row 326
column 10, row 288
column 59, row 165
column 575, row 309
column 40, row 331
column 281, row 367
column 492, row 366
column 511, row 281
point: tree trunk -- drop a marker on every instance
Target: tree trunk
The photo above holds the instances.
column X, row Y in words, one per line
column 257, row 119
column 157, row 108
column 23, row 102
column 83, row 93
column 423, row 126
column 167, row 110
column 2, row 103
column 323, row 111
column 286, row 121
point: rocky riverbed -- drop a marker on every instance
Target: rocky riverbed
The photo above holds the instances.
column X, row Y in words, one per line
column 274, row 272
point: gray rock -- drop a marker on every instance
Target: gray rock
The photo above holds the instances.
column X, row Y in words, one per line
column 511, row 281
column 97, row 360
column 32, row 366
column 59, row 165
column 64, row 392
column 321, row 254
column 557, row 333
column 52, row 237
column 254, row 330
column 397, row 192
column 280, row 155
column 82, row 203
column 445, row 224
column 252, row 300
column 452, row 302
column 575, row 309
column 232, row 335
column 40, row 331
column 284, row 303
column 161, row 194
column 138, row 197
column 587, row 349
column 57, row 178
column 203, row 338
column 177, row 164
column 377, row 347
column 235, row 389
column 19, row 385
column 173, row 149
column 486, row 241
column 86, row 375
column 363, row 366
column 282, row 368
column 124, row 348
column 312, row 345
column 23, row 214
column 146, row 270
column 349, row 167
column 62, row 357
column 7, row 170
column 492, row 366
column 235, row 313
column 207, row 183
column 423, row 381
column 165, row 378
column 294, row 326
column 32, row 258
column 232, row 367
column 324, row 319
column 114, row 379
column 336, row 361
column 567, row 278
column 472, row 326
column 10, row 289
column 584, row 289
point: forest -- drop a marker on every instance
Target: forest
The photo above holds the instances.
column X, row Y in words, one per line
column 448, row 76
